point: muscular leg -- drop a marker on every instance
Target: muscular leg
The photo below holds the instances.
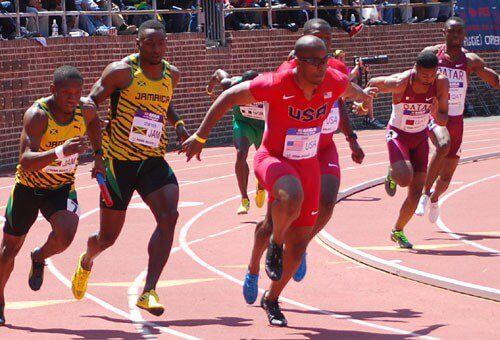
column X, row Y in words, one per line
column 296, row 241
column 448, row 168
column 440, row 137
column 64, row 225
column 411, row 201
column 402, row 173
column 163, row 203
column 263, row 231
column 285, row 208
column 241, row 166
column 111, row 224
column 9, row 249
column 329, row 189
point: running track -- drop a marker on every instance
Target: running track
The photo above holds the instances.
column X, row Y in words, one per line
column 339, row 298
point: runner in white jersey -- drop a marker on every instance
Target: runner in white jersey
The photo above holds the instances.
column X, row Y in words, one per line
column 457, row 64
column 416, row 95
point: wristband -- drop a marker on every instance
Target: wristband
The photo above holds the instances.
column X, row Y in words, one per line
column 59, row 152
column 199, row 139
column 209, row 92
column 363, row 107
column 177, row 123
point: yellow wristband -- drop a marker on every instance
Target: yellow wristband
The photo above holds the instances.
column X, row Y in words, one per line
column 177, row 123
column 363, row 107
column 199, row 139
column 209, row 92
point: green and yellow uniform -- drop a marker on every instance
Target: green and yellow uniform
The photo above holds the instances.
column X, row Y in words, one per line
column 135, row 139
column 49, row 189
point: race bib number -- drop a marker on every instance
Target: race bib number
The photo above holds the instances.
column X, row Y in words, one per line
column 301, row 143
column 63, row 165
column 253, row 111
column 331, row 124
column 414, row 123
column 147, row 129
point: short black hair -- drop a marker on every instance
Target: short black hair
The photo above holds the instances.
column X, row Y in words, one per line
column 315, row 24
column 150, row 24
column 455, row 21
column 66, row 72
column 249, row 75
column 427, row 59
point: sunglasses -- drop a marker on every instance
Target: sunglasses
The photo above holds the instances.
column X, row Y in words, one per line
column 316, row 61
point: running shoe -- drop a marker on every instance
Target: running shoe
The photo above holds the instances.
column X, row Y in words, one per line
column 2, row 315
column 79, row 280
column 400, row 238
column 274, row 261
column 260, row 197
column 422, row 205
column 302, row 270
column 35, row 279
column 433, row 212
column 389, row 184
column 150, row 302
column 244, row 207
column 273, row 311
column 251, row 287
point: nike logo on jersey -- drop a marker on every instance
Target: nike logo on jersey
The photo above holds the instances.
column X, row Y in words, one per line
column 285, row 97
column 332, row 165
column 459, row 65
column 314, row 213
column 429, row 99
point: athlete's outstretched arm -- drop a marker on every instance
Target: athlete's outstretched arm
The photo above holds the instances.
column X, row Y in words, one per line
column 93, row 124
column 237, row 95
column 388, row 84
column 116, row 76
column 35, row 122
column 485, row 73
column 355, row 92
column 345, row 126
column 443, row 89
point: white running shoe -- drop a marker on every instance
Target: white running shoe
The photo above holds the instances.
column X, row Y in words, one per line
column 434, row 212
column 422, row 205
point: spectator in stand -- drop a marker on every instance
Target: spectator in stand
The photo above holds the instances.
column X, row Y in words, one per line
column 117, row 20
column 28, row 27
column 42, row 24
column 139, row 5
column 178, row 22
column 335, row 18
column 356, row 75
column 238, row 20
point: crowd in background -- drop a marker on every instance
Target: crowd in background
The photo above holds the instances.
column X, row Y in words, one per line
column 350, row 21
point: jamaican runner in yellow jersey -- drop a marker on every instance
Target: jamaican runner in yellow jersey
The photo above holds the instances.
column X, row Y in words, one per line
column 51, row 140
column 248, row 128
column 140, row 89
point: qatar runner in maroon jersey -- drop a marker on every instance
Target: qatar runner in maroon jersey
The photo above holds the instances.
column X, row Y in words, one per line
column 329, row 167
column 286, row 164
column 458, row 65
column 416, row 94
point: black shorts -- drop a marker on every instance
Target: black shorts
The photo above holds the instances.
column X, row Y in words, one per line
column 124, row 177
column 25, row 203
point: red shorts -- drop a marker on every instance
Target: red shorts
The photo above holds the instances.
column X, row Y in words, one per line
column 329, row 160
column 269, row 168
column 408, row 146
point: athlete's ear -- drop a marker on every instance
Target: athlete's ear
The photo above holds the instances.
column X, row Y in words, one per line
column 52, row 88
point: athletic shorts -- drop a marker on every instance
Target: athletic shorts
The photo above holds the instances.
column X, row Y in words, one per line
column 25, row 203
column 269, row 168
column 413, row 147
column 455, row 128
column 249, row 131
column 125, row 177
column 329, row 160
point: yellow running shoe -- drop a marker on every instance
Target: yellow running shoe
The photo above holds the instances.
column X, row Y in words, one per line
column 79, row 280
column 149, row 301
column 244, row 207
column 260, row 197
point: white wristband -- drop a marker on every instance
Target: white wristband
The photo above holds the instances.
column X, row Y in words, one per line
column 59, row 152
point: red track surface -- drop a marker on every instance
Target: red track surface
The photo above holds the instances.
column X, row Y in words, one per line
column 338, row 299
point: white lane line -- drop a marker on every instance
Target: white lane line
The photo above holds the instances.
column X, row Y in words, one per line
column 447, row 230
column 185, row 246
column 133, row 290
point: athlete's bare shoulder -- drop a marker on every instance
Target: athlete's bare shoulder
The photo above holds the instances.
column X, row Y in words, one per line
column 434, row 48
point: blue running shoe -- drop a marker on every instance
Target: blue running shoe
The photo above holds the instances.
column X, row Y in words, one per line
column 302, row 270
column 251, row 287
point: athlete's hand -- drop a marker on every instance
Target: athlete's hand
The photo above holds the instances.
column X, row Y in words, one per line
column 74, row 145
column 358, row 110
column 99, row 167
column 192, row 148
column 357, row 153
column 182, row 134
column 370, row 92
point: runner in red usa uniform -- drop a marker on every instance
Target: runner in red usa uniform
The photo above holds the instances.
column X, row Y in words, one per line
column 458, row 65
column 416, row 94
column 286, row 164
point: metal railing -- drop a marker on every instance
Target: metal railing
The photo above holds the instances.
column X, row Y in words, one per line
column 210, row 13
